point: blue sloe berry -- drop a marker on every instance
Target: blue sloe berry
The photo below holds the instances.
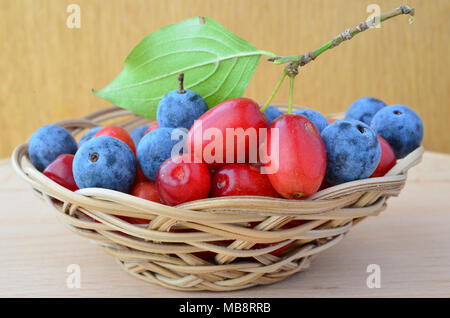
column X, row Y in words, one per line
column 47, row 143
column 317, row 118
column 137, row 134
column 88, row 135
column 353, row 151
column 155, row 148
column 272, row 113
column 180, row 110
column 105, row 162
column 363, row 109
column 401, row 127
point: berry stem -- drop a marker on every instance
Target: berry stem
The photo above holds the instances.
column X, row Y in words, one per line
column 275, row 91
column 348, row 34
column 180, row 81
column 291, row 93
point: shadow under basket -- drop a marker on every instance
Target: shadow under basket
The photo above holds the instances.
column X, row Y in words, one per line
column 173, row 247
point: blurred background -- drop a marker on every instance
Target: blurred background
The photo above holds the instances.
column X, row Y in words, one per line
column 48, row 70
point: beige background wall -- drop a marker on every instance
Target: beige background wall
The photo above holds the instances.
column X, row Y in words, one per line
column 47, row 70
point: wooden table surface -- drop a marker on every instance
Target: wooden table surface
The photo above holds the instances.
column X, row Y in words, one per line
column 410, row 241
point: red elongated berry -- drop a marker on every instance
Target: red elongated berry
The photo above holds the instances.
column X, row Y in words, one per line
column 151, row 127
column 296, row 160
column 180, row 179
column 387, row 160
column 208, row 139
column 60, row 171
column 146, row 190
column 241, row 179
column 119, row 133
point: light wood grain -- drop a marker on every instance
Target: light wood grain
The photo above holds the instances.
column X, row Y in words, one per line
column 48, row 70
column 410, row 241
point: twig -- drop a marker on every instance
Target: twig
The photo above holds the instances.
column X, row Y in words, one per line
column 303, row 59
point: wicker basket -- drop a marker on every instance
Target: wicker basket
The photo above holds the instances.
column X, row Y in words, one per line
column 155, row 254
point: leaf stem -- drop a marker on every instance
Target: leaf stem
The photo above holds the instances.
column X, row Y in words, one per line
column 275, row 91
column 291, row 93
column 303, row 59
column 180, row 81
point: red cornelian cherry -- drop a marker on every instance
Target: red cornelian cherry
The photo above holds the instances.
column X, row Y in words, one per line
column 387, row 160
column 297, row 160
column 181, row 179
column 241, row 179
column 229, row 115
column 60, row 171
column 146, row 190
column 119, row 133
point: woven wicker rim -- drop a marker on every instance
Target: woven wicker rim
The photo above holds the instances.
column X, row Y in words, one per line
column 155, row 254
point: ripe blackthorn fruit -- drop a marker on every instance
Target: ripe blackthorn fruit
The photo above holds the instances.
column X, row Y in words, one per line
column 105, row 162
column 180, row 108
column 272, row 113
column 353, row 151
column 137, row 134
column 363, row 109
column 317, row 118
column 153, row 149
column 88, row 135
column 401, row 127
column 119, row 133
column 47, row 143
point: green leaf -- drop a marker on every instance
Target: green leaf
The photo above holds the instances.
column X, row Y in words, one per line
column 216, row 63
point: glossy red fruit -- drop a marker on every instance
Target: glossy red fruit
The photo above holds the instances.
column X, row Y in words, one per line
column 146, row 190
column 180, row 179
column 119, row 133
column 60, row 171
column 298, row 163
column 241, row 179
column 151, row 127
column 234, row 113
column 387, row 160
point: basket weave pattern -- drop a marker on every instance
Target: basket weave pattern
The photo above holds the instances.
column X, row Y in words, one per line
column 162, row 251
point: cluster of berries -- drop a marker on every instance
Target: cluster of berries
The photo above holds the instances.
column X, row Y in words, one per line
column 190, row 154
